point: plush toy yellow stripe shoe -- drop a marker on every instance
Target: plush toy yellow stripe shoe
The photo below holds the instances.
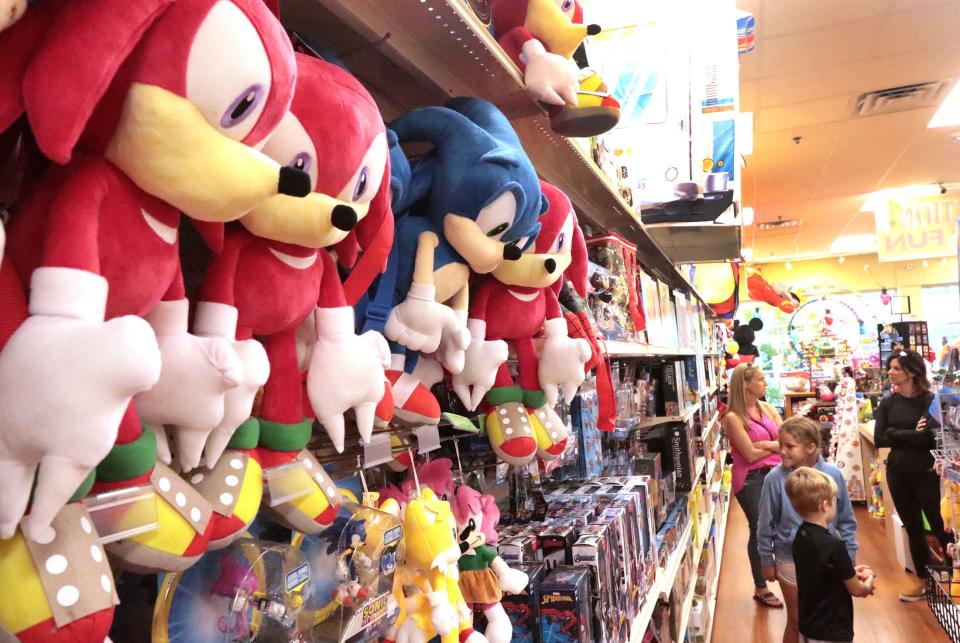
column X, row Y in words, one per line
column 596, row 111
column 549, row 429
column 508, row 426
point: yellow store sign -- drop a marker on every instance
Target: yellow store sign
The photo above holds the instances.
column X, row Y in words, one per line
column 917, row 228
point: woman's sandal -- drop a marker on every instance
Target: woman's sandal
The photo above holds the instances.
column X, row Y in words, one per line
column 768, row 599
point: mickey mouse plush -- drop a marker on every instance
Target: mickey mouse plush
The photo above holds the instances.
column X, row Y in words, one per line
column 744, row 335
column 514, row 303
column 155, row 108
column 476, row 199
column 273, row 273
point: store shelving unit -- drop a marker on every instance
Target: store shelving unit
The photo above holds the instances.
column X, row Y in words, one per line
column 663, row 584
column 721, row 533
column 697, row 242
column 411, row 53
column 665, row 419
column 628, row 349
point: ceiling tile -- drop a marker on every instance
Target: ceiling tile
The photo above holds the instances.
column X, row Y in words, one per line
column 788, row 17
column 929, row 27
column 810, row 49
column 801, row 115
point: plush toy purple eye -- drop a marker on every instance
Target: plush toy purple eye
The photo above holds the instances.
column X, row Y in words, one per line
column 302, row 161
column 362, row 181
column 566, row 6
column 242, row 106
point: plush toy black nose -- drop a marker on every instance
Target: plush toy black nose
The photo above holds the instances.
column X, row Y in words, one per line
column 550, row 265
column 512, row 252
column 593, row 30
column 344, row 218
column 293, row 182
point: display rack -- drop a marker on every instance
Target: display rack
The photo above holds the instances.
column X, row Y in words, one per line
column 696, row 242
column 411, row 53
column 662, row 585
column 666, row 419
column 628, row 349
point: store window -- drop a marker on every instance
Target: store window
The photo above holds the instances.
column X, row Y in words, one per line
column 941, row 309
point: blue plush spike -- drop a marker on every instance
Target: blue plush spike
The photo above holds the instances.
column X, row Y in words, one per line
column 503, row 156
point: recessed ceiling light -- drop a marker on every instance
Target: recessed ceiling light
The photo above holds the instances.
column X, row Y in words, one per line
column 788, row 266
column 746, row 253
column 949, row 111
column 841, row 259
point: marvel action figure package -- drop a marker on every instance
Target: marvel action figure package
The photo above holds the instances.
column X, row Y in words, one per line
column 624, row 567
column 638, row 489
column 524, row 608
column 648, row 464
column 524, row 548
column 594, row 550
column 556, row 543
column 565, row 606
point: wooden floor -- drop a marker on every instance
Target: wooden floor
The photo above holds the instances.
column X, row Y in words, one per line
column 882, row 618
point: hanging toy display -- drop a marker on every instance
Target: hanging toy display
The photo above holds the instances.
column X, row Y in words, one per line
column 515, row 302
column 777, row 295
column 541, row 36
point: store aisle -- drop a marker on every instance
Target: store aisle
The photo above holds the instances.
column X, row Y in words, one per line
column 882, row 618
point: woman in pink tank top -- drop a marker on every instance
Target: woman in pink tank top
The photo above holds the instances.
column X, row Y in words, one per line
column 752, row 427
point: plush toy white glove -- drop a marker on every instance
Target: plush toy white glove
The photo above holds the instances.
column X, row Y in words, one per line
column 548, row 77
column 216, row 320
column 512, row 581
column 483, row 360
column 346, row 372
column 197, row 372
column 428, row 371
column 418, row 321
column 561, row 361
column 306, row 335
column 66, row 378
column 453, row 343
column 443, row 616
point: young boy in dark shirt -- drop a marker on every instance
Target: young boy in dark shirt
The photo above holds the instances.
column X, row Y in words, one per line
column 826, row 577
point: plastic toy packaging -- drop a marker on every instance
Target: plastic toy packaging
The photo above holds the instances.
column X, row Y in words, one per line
column 253, row 591
column 366, row 561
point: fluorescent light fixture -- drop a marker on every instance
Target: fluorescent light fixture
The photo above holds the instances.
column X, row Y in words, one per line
column 748, row 216
column 948, row 113
column 746, row 253
column 878, row 200
column 854, row 244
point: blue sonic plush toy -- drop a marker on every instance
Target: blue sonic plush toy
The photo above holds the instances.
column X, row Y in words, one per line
column 468, row 205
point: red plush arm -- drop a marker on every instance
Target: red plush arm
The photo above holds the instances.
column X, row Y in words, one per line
column 331, row 289
column 73, row 225
column 176, row 291
column 513, row 41
column 219, row 284
column 553, row 305
column 481, row 299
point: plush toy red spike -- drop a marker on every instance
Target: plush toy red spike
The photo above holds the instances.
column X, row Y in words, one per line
column 157, row 104
column 275, row 276
column 524, row 295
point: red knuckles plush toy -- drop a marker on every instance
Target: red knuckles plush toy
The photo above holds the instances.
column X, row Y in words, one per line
column 272, row 273
column 514, row 304
column 154, row 107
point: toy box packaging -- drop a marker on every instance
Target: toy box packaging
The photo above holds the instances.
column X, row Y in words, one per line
column 523, row 609
column 625, row 564
column 556, row 543
column 520, row 549
column 672, row 399
column 629, row 502
column 594, row 550
column 650, row 301
column 637, row 490
column 565, row 606
column 648, row 464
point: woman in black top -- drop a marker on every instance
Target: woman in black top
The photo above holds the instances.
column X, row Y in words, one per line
column 904, row 424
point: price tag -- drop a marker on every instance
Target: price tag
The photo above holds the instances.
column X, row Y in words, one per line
column 461, row 423
column 378, row 451
column 428, row 438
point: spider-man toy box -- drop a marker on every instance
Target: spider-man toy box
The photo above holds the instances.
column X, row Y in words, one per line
column 565, row 606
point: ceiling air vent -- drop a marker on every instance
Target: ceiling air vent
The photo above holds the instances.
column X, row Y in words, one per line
column 779, row 224
column 899, row 99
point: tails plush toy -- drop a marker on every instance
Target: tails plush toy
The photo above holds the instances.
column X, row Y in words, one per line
column 541, row 37
column 272, row 273
column 514, row 303
column 155, row 108
column 478, row 199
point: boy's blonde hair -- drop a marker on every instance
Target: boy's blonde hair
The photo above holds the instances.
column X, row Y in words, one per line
column 808, row 489
column 803, row 429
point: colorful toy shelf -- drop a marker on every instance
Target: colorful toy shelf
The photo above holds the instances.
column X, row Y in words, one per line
column 411, row 53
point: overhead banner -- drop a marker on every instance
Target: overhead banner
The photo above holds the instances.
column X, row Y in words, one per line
column 923, row 228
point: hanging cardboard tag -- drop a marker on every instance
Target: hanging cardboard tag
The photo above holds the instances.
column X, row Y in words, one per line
column 428, row 438
column 378, row 451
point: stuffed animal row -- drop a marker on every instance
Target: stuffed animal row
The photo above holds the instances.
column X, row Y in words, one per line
column 191, row 413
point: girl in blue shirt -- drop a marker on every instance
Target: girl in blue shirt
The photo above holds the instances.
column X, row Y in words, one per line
column 799, row 447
